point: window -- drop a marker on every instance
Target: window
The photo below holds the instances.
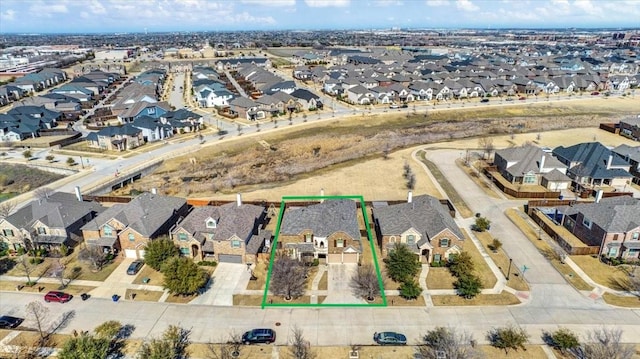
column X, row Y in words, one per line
column 108, row 231
column 7, row 232
column 613, row 252
column 211, row 223
column 444, row 242
column 340, row 243
column 635, row 235
column 235, row 243
column 132, row 237
column 151, row 110
column 411, row 239
column 586, row 222
column 529, row 179
column 392, row 239
column 42, row 230
column 436, row 258
column 633, row 252
column 182, row 236
column 307, row 238
column 184, row 251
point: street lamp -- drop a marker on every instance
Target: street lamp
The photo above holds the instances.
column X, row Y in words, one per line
column 509, row 270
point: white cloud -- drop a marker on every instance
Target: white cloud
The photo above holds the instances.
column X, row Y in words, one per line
column 587, row 6
column 327, row 3
column 466, row 5
column 8, row 15
column 96, row 7
column 387, row 3
column 437, row 2
column 41, row 8
column 270, row 2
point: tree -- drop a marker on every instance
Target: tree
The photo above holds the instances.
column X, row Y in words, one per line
column 402, row 264
column 40, row 315
column 300, row 347
column 172, row 345
column 183, row 276
column 50, row 158
column 486, row 143
column 71, row 161
column 461, row 264
column 365, row 282
column 93, row 255
column 482, row 224
column 605, row 344
column 288, row 277
column 27, row 154
column 229, row 350
column 495, row 245
column 158, row 251
column 26, row 267
column 468, row 285
column 85, row 346
column 508, row 337
column 562, row 339
column 6, row 207
column 410, row 289
column 42, row 193
column 446, row 340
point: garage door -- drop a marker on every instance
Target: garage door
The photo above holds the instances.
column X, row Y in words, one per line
column 131, row 253
column 350, row 258
column 141, row 253
column 229, row 258
column 334, row 258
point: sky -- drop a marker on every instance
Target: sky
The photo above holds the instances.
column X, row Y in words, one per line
column 109, row 16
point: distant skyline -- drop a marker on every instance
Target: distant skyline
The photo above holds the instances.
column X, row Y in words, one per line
column 117, row 16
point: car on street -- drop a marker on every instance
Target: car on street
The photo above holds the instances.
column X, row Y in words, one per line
column 389, row 338
column 522, row 98
column 509, row 99
column 9, row 322
column 595, row 93
column 134, row 267
column 393, row 106
column 55, row 296
column 259, row 336
column 404, row 105
column 484, row 100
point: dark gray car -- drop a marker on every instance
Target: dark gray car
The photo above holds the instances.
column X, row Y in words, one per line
column 134, row 267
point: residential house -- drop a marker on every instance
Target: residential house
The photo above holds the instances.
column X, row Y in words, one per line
column 307, row 99
column 360, row 95
column 129, row 227
column 593, row 164
column 152, row 129
column 632, row 156
column 143, row 108
column 611, row 223
column 116, row 138
column 230, row 233
column 247, row 108
column 48, row 222
column 423, row 223
column 630, row 128
column 530, row 165
column 327, row 231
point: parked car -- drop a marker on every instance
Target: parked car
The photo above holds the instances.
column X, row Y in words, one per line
column 404, row 105
column 390, row 338
column 522, row 98
column 484, row 100
column 393, row 105
column 55, row 296
column 509, row 99
column 256, row 336
column 134, row 267
column 595, row 93
column 8, row 322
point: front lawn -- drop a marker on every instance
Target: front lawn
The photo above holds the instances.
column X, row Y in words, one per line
column 504, row 298
column 614, row 277
column 44, row 288
column 155, row 277
column 143, row 295
column 260, row 271
column 627, row 302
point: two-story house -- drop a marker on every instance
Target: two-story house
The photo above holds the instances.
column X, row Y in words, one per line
column 327, row 231
column 423, row 223
column 230, row 233
column 530, row 165
column 48, row 222
column 129, row 227
column 632, row 156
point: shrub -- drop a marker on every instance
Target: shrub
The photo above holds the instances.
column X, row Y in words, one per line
column 410, row 290
column 208, row 263
column 468, row 286
column 36, row 260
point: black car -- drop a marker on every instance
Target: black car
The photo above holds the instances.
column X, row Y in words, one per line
column 389, row 338
column 8, row 322
column 256, row 336
column 134, row 267
column 484, row 100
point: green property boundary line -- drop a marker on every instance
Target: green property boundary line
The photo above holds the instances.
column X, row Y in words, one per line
column 275, row 242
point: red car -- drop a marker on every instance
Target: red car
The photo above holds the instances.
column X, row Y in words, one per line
column 522, row 98
column 60, row 297
column 595, row 93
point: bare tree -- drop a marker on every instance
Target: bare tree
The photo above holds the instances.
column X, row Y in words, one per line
column 173, row 344
column 365, row 282
column 605, row 344
column 26, row 267
column 446, row 341
column 486, row 143
column 6, row 208
column 93, row 255
column 40, row 315
column 42, row 192
column 300, row 347
column 231, row 349
column 288, row 277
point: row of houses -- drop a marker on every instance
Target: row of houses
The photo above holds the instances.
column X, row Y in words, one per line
column 585, row 165
column 31, row 83
column 235, row 232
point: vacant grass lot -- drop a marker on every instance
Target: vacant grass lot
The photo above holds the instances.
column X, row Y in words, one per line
column 20, row 178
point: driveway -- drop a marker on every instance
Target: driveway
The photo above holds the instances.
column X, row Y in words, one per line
column 116, row 282
column 223, row 283
column 338, row 288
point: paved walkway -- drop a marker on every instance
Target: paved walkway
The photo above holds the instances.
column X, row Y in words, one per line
column 322, row 269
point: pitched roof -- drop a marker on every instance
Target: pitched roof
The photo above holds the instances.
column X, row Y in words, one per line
column 613, row 214
column 231, row 220
column 323, row 219
column 527, row 159
column 58, row 210
column 592, row 159
column 424, row 213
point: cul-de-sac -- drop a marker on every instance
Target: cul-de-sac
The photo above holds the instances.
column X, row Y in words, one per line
column 319, row 179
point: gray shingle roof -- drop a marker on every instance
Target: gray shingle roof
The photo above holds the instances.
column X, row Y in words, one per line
column 323, row 219
column 614, row 214
column 592, row 160
column 527, row 159
column 425, row 213
column 59, row 210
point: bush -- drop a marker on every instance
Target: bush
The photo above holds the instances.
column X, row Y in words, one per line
column 482, row 224
column 208, row 263
column 410, row 290
column 36, row 260
column 159, row 251
column 468, row 286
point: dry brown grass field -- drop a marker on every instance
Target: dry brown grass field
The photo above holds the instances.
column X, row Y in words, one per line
column 346, row 156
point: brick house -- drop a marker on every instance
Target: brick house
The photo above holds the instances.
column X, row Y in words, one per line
column 630, row 127
column 231, row 233
column 530, row 165
column 423, row 223
column 327, row 231
column 129, row 227
column 48, row 222
column 612, row 223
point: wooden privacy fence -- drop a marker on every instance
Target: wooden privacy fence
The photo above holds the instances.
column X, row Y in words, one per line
column 572, row 245
column 492, row 173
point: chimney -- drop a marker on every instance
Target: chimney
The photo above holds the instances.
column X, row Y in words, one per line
column 154, row 190
column 541, row 164
column 78, row 193
column 409, row 197
column 239, row 199
column 599, row 195
column 321, row 195
column 609, row 161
